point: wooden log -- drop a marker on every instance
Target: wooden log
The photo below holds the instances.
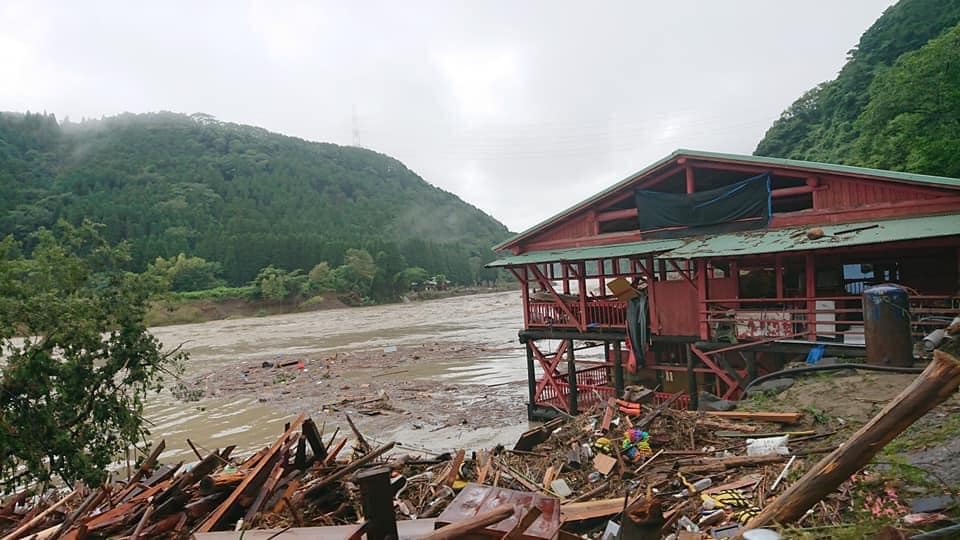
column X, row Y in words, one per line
column 477, row 522
column 41, row 516
column 936, row 384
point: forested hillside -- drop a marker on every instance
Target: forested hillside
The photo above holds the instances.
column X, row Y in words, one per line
column 236, row 195
column 894, row 105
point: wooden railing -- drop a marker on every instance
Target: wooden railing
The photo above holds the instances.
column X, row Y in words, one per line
column 838, row 318
column 600, row 314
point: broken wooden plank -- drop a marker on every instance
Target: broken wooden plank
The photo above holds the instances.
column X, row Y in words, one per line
column 312, row 434
column 317, row 488
column 776, row 417
column 41, row 516
column 532, row 514
column 935, row 385
column 214, row 519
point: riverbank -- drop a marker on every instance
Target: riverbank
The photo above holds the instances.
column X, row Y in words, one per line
column 239, row 302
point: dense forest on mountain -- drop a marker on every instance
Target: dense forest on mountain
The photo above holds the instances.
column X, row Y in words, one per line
column 894, row 105
column 236, row 196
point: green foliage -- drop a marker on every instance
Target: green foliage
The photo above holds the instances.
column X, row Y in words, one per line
column 183, row 273
column 72, row 393
column 321, row 277
column 219, row 293
column 235, row 195
column 357, row 272
column 825, row 123
column 278, row 284
column 912, row 121
column 411, row 276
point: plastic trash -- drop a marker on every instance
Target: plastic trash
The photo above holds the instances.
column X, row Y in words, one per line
column 768, row 446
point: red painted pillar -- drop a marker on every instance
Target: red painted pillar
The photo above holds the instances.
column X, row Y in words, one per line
column 702, row 298
column 566, row 278
column 652, row 295
column 525, row 291
column 779, row 269
column 582, row 290
column 691, row 184
column 810, row 291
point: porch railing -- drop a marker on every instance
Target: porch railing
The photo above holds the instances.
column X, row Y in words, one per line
column 594, row 385
column 600, row 313
column 838, row 318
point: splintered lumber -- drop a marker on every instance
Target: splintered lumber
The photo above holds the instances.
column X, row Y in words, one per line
column 149, row 463
column 221, row 481
column 579, row 511
column 529, row 439
column 649, row 418
column 473, row 524
column 523, row 523
column 777, row 417
column 608, row 413
column 41, row 516
column 225, row 506
column 318, row 488
column 475, row 499
column 335, row 449
column 265, row 491
column 454, row 469
column 709, row 464
column 312, row 434
column 362, row 445
column 91, row 501
column 935, row 385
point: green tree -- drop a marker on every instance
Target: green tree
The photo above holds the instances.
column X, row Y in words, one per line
column 356, row 273
column 278, row 284
column 183, row 273
column 72, row 392
column 411, row 276
column 321, row 277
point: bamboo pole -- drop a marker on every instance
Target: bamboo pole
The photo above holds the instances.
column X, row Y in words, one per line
column 934, row 386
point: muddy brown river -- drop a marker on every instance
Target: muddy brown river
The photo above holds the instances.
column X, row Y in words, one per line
column 471, row 366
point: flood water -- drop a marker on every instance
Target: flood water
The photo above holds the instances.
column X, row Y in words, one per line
column 489, row 320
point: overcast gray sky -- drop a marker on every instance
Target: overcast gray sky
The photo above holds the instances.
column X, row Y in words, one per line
column 521, row 108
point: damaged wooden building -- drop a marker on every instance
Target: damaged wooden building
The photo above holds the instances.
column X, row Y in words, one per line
column 705, row 270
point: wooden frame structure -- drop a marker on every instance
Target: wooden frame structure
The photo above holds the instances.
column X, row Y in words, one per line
column 722, row 308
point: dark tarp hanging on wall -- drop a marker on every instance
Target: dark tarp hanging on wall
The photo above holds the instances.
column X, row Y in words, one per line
column 718, row 208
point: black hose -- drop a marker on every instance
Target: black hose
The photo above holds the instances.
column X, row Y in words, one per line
column 828, row 367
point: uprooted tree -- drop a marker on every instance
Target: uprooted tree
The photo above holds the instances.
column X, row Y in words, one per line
column 78, row 361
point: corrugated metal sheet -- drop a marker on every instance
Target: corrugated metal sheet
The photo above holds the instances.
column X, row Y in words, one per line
column 835, row 236
column 896, row 176
column 587, row 253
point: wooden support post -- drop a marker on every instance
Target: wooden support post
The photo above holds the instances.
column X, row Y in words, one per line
column 582, row 292
column 652, row 295
column 935, row 385
column 531, row 380
column 692, row 379
column 810, row 291
column 376, row 497
column 691, row 181
column 618, row 368
column 525, row 293
column 571, row 379
column 566, row 277
column 313, row 437
column 778, row 264
column 702, row 298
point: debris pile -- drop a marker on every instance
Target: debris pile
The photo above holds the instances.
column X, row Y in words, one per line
column 626, row 469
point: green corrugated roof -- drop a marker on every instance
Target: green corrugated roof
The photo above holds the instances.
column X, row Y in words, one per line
column 588, row 253
column 835, row 236
column 896, row 176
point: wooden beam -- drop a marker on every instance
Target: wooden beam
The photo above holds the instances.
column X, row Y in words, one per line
column 810, row 291
column 476, row 523
column 689, row 176
column 938, row 382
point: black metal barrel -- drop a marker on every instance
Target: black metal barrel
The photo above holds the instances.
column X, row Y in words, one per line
column 886, row 322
